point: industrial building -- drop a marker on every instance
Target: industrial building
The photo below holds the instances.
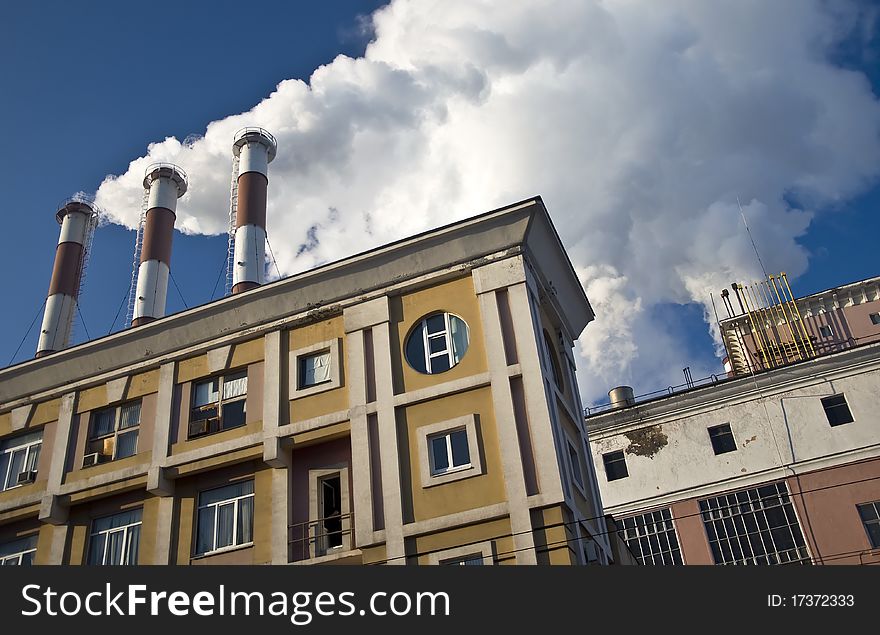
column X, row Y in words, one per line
column 777, row 463
column 413, row 404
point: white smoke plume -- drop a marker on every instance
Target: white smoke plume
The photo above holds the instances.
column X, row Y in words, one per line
column 639, row 122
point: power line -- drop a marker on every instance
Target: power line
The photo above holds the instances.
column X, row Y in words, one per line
column 749, row 231
column 185, row 305
column 219, row 275
column 272, row 253
column 119, row 310
column 606, row 533
column 83, row 321
column 27, row 332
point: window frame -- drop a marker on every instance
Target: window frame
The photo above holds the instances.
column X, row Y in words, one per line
column 295, row 385
column 826, row 327
column 450, row 454
column 236, row 502
column 874, row 318
column 577, row 476
column 874, row 521
column 845, row 404
column 637, row 531
column 126, row 540
column 712, row 438
column 553, row 361
column 219, row 404
column 117, row 431
column 444, row 557
column 8, row 477
column 318, row 548
column 4, row 560
column 424, row 434
column 622, row 459
column 446, row 334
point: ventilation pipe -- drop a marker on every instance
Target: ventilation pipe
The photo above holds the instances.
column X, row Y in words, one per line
column 77, row 220
column 621, row 397
column 166, row 183
column 255, row 149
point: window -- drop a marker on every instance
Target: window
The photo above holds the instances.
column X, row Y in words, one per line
column 113, row 432
column 437, row 343
column 755, row 526
column 449, row 451
column 468, row 560
column 331, row 512
column 825, row 331
column 19, row 552
column 575, row 460
column 552, row 361
column 875, row 318
column 870, row 515
column 115, row 539
column 651, row 537
column 218, row 404
column 314, row 369
column 837, row 410
column 722, row 439
column 226, row 518
column 328, row 528
column 481, row 553
column 615, row 465
column 19, row 459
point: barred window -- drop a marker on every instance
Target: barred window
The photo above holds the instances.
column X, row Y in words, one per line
column 754, row 526
column 651, row 537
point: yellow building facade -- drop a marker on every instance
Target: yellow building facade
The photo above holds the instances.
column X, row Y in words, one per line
column 415, row 404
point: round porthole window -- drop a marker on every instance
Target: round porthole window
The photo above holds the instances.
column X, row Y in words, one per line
column 437, row 343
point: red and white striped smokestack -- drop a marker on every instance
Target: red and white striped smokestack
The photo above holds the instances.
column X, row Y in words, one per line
column 166, row 183
column 77, row 221
column 255, row 149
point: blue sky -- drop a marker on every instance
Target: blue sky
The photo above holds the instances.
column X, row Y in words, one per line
column 89, row 85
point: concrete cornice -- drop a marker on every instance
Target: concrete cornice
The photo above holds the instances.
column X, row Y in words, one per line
column 730, row 391
column 463, row 245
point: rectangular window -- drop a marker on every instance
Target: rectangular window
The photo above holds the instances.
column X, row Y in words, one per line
column 314, row 369
column 754, row 526
column 331, row 512
column 575, row 460
column 113, row 433
column 19, row 458
column 19, row 552
column 218, row 404
column 875, row 318
column 449, row 451
column 722, row 439
column 469, row 560
column 115, row 539
column 837, row 410
column 870, row 515
column 825, row 331
column 615, row 465
column 651, row 537
column 225, row 518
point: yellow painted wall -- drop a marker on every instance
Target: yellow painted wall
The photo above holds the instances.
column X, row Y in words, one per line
column 497, row 531
column 143, row 384
column 455, row 296
column 45, row 412
column 92, row 398
column 328, row 401
column 461, row 495
column 248, row 352
column 552, row 541
column 192, row 368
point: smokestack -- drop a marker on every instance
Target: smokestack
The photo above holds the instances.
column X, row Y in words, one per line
column 255, row 149
column 77, row 220
column 166, row 183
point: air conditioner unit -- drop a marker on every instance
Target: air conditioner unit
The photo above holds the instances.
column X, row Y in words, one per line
column 91, row 459
column 24, row 478
column 198, row 427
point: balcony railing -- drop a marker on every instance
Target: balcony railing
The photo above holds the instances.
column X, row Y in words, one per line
column 320, row 537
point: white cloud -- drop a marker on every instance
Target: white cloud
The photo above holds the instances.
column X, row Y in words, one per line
column 640, row 123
